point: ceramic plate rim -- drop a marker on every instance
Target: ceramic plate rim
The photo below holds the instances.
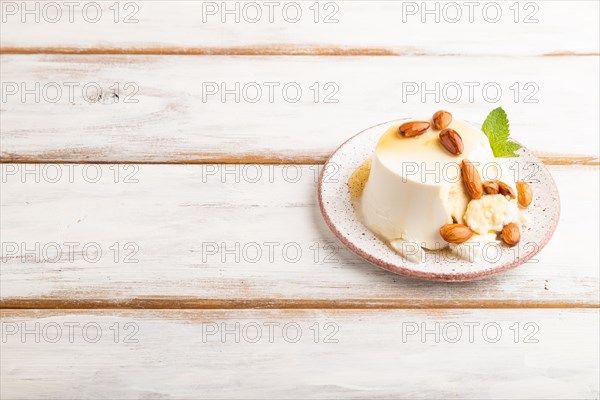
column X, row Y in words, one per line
column 424, row 275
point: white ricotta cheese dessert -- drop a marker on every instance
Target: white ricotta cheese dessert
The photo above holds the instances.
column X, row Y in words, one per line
column 415, row 187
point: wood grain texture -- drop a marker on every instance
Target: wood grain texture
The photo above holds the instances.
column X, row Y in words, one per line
column 297, row 158
column 270, row 50
column 220, row 247
column 357, row 354
column 234, row 236
column 342, row 28
column 171, row 118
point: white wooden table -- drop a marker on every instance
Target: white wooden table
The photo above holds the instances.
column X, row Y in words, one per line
column 160, row 234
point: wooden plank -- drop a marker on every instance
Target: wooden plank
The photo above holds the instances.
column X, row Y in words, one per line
column 241, row 236
column 166, row 114
column 329, row 28
column 509, row 354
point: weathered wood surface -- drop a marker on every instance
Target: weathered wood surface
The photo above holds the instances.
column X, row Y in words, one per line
column 241, row 236
column 205, row 246
column 509, row 354
column 165, row 112
column 327, row 28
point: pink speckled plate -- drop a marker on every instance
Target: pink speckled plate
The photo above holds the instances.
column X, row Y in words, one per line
column 337, row 209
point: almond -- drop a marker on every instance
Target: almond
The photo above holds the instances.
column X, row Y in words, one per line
column 456, row 233
column 490, row 187
column 511, row 234
column 413, row 128
column 471, row 179
column 441, row 120
column 451, row 141
column 506, row 190
column 525, row 194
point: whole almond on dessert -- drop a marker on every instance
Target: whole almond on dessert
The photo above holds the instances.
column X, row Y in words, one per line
column 511, row 234
column 451, row 141
column 441, row 120
column 490, row 187
column 413, row 128
column 506, row 190
column 456, row 233
column 525, row 194
column 471, row 179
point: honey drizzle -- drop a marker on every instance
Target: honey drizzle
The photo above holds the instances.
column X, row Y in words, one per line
column 358, row 180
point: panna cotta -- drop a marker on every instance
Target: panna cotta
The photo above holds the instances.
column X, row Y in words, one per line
column 415, row 187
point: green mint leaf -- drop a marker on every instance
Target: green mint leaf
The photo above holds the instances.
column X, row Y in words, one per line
column 507, row 150
column 497, row 130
